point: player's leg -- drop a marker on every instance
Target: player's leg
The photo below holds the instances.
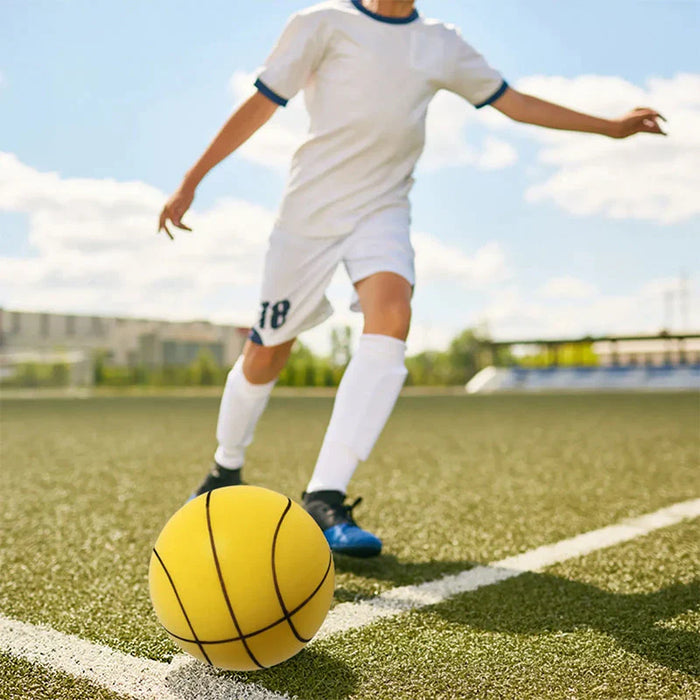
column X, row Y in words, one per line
column 245, row 396
column 380, row 262
column 246, row 393
column 371, row 382
column 297, row 272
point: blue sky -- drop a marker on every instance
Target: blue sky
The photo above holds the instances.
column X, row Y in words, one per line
column 530, row 232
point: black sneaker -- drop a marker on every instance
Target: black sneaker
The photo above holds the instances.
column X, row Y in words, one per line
column 342, row 533
column 219, row 476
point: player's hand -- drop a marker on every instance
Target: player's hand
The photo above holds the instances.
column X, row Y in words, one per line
column 639, row 120
column 175, row 209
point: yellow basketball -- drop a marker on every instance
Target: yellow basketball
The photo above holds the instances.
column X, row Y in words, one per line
column 241, row 578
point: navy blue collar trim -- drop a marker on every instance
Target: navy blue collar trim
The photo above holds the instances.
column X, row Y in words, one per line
column 383, row 18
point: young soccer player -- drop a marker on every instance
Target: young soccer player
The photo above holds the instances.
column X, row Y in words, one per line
column 368, row 69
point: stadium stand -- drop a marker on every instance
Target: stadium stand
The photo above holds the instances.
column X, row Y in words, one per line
column 493, row 379
column 649, row 363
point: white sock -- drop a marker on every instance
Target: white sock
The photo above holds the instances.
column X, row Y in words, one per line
column 363, row 404
column 242, row 404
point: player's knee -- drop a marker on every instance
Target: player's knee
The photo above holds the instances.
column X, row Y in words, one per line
column 263, row 364
column 393, row 319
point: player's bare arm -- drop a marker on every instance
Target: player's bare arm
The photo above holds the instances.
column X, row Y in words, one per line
column 533, row 110
column 242, row 124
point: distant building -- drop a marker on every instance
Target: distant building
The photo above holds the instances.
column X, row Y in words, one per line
column 127, row 342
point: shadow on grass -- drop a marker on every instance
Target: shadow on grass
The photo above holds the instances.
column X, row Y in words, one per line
column 539, row 604
column 388, row 568
column 396, row 572
column 311, row 674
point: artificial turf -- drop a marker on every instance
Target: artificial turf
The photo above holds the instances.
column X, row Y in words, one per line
column 21, row 680
column 453, row 481
column 622, row 623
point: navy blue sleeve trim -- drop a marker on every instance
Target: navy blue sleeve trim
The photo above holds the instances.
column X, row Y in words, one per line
column 270, row 94
column 495, row 96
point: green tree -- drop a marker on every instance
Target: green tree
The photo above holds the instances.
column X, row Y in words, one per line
column 60, row 374
column 463, row 356
column 139, row 375
column 29, row 374
column 204, row 371
column 299, row 370
column 99, row 367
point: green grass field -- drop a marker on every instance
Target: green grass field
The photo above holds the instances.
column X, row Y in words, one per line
column 454, row 481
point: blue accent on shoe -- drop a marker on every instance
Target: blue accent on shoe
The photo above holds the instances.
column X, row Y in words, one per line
column 495, row 96
column 345, row 538
column 270, row 94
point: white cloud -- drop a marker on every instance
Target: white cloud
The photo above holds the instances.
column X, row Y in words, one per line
column 513, row 312
column 567, row 287
column 95, row 249
column 645, row 177
column 439, row 262
column 449, row 142
column 497, row 154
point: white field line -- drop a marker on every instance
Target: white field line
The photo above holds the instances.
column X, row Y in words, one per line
column 347, row 616
column 186, row 679
column 141, row 679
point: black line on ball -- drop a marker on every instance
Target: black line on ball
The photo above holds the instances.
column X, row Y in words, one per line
column 272, row 624
column 285, row 612
column 223, row 587
column 184, row 612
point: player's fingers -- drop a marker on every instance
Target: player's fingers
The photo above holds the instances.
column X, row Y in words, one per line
column 647, row 112
column 175, row 215
column 162, row 222
column 651, row 126
column 652, row 114
column 177, row 212
column 179, row 224
column 165, row 228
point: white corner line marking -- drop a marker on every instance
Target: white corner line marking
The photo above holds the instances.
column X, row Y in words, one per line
column 349, row 616
column 138, row 678
column 187, row 679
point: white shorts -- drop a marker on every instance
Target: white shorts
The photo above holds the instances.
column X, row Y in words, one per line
column 298, row 271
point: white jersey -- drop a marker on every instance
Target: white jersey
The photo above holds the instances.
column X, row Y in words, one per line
column 367, row 81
